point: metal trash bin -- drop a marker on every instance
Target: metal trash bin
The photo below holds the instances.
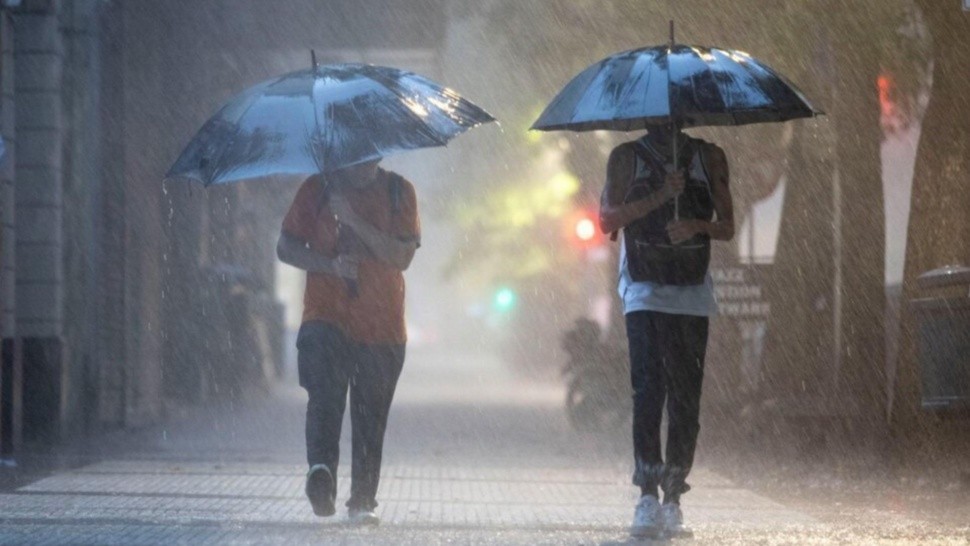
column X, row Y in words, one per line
column 943, row 339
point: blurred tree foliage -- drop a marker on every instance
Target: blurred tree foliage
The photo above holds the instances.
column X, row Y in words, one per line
column 520, row 218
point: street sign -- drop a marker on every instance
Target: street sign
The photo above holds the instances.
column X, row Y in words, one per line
column 739, row 293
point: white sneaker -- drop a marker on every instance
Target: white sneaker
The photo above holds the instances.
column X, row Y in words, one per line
column 673, row 521
column 646, row 518
column 359, row 516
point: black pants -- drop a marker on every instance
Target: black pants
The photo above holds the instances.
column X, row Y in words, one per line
column 666, row 364
column 329, row 363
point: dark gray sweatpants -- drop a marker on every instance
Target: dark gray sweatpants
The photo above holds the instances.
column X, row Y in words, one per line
column 330, row 364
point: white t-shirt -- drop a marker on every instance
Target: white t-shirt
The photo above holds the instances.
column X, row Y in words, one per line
column 697, row 299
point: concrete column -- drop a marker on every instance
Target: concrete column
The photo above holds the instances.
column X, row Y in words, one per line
column 111, row 330
column 146, row 104
column 83, row 249
column 11, row 366
column 39, row 61
column 8, row 241
column 39, row 58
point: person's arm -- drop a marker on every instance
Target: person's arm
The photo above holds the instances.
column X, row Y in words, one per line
column 395, row 252
column 293, row 251
column 722, row 228
column 614, row 213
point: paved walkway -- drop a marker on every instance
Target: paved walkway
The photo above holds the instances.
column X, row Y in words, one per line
column 473, row 456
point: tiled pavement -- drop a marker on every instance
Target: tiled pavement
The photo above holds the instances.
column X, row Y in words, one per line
column 473, row 457
column 411, row 496
column 122, row 502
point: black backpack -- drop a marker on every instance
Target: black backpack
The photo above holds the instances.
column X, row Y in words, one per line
column 651, row 257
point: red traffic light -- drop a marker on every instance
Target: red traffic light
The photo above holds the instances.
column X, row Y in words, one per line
column 582, row 228
column 585, row 229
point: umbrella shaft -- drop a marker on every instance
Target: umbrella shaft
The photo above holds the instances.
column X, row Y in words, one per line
column 674, row 144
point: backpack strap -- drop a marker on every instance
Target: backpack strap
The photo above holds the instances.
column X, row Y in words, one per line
column 649, row 155
column 396, row 188
column 638, row 154
column 324, row 196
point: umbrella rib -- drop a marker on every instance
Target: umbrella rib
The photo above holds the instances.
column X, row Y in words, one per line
column 414, row 116
column 791, row 87
column 232, row 139
column 716, row 83
column 618, row 105
column 316, row 124
column 670, row 98
column 649, row 77
column 646, row 89
column 361, row 122
column 423, row 124
column 754, row 75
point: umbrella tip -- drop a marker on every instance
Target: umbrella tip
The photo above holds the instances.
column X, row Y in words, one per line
column 313, row 60
column 671, row 33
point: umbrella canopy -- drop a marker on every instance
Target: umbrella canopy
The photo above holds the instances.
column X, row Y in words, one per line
column 323, row 119
column 695, row 86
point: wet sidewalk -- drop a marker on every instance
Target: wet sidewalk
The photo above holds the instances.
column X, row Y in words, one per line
column 473, row 456
column 131, row 502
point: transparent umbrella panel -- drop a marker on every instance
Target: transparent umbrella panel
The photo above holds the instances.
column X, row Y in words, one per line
column 323, row 119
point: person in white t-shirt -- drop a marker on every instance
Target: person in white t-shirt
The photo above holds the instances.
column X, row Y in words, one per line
column 669, row 218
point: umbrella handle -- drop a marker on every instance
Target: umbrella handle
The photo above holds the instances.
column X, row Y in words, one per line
column 673, row 126
column 673, row 123
column 353, row 289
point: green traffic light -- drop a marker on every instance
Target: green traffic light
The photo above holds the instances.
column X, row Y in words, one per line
column 504, row 299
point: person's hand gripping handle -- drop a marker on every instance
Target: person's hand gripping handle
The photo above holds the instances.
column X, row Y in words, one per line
column 347, row 258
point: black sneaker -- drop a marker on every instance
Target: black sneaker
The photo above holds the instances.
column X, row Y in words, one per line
column 320, row 490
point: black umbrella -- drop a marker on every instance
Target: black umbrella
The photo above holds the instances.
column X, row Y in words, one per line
column 689, row 86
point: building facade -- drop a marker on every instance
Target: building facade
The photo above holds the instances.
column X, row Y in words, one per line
column 120, row 293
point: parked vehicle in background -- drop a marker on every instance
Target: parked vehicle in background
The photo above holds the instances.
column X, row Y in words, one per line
column 597, row 375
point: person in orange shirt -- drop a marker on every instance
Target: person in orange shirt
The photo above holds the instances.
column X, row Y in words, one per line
column 354, row 232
